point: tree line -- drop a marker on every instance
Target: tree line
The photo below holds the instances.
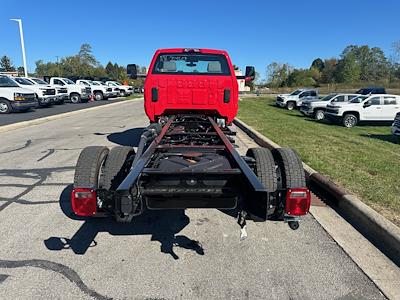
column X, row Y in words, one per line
column 356, row 64
column 81, row 65
column 7, row 65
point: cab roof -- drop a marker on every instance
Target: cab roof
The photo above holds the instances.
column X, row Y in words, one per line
column 191, row 50
column 306, row 89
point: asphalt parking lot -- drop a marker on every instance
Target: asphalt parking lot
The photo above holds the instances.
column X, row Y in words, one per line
column 194, row 254
column 6, row 119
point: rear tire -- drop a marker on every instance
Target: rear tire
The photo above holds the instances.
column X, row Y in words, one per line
column 116, row 167
column 290, row 105
column 291, row 167
column 291, row 175
column 265, row 167
column 88, row 167
column 5, row 107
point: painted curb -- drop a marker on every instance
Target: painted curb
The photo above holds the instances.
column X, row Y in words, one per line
column 380, row 231
column 24, row 124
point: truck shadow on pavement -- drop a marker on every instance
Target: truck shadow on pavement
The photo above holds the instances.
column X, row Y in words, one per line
column 39, row 175
column 161, row 225
column 128, row 137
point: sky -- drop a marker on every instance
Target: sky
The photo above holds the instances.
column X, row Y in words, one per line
column 253, row 32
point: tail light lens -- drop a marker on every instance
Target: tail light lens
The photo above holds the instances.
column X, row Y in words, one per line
column 297, row 202
column 84, row 202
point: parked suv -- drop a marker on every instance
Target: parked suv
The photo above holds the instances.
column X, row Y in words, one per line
column 45, row 96
column 317, row 108
column 396, row 126
column 371, row 90
column 13, row 97
column 381, row 107
column 295, row 99
column 76, row 93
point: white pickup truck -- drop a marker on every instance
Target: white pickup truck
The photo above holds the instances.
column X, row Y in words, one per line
column 13, row 97
column 45, row 96
column 99, row 91
column 76, row 92
column 61, row 92
column 124, row 90
column 114, row 89
column 375, row 107
column 295, row 99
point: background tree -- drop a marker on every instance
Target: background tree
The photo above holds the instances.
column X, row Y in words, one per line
column 86, row 56
column 315, row 74
column 301, row 77
column 318, row 64
column 348, row 70
column 110, row 70
column 316, row 69
column 373, row 63
column 47, row 69
column 6, row 64
column 329, row 71
column 99, row 73
column 395, row 61
column 121, row 72
column 277, row 74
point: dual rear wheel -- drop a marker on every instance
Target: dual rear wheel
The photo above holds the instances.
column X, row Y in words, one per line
column 101, row 168
column 278, row 170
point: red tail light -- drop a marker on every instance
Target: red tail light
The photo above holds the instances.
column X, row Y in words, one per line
column 298, row 201
column 84, row 202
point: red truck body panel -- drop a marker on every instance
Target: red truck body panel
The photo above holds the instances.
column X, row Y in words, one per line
column 191, row 93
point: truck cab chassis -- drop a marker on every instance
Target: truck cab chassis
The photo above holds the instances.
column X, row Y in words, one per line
column 188, row 160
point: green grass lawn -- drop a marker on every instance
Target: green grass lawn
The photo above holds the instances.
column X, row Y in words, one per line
column 365, row 159
column 133, row 96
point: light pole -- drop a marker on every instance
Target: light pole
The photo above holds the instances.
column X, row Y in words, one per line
column 21, row 33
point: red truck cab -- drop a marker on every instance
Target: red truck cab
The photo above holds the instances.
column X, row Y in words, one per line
column 200, row 81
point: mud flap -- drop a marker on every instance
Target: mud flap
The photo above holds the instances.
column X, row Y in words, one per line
column 257, row 204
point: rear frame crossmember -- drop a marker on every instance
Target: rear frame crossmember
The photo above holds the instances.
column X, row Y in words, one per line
column 256, row 196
